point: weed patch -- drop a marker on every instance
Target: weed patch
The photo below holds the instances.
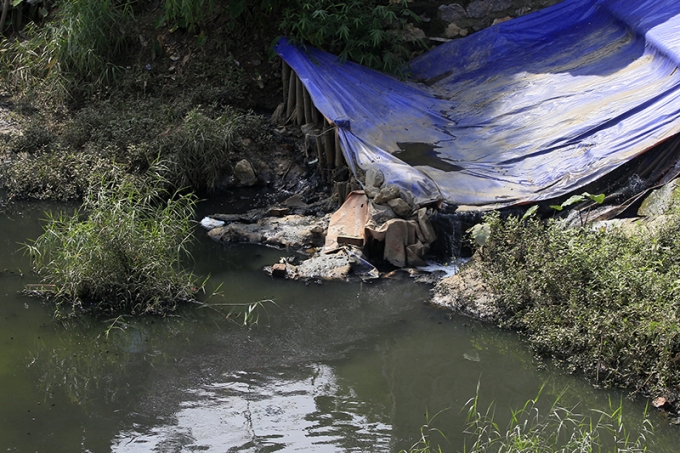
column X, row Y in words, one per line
column 603, row 303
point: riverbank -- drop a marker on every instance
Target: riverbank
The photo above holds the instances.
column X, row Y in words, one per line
column 599, row 300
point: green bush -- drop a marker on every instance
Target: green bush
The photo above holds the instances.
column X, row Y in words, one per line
column 366, row 32
column 120, row 252
column 201, row 148
column 600, row 302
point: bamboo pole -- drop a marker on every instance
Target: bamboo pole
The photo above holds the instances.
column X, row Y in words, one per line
column 339, row 157
column 308, row 105
column 290, row 106
column 329, row 145
column 316, row 116
column 285, row 75
column 299, row 103
column 321, row 156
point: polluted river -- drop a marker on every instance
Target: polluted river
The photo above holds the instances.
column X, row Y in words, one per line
column 322, row 366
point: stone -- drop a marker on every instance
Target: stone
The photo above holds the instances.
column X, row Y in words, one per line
column 374, row 177
column 659, row 201
column 481, row 8
column 380, row 214
column 396, row 235
column 244, row 173
column 386, row 194
column 295, row 202
column 500, row 20
column 451, row 13
column 279, row 270
column 452, row 31
column 411, row 33
column 426, row 227
column 371, row 192
column 335, row 266
column 400, row 207
column 415, row 253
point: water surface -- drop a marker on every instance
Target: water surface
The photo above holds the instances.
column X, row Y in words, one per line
column 329, row 366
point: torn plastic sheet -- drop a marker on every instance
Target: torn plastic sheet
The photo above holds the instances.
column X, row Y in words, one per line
column 523, row 111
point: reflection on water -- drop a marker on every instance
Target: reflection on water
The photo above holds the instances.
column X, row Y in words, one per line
column 265, row 411
column 330, row 367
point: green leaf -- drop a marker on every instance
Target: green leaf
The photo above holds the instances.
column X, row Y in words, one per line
column 573, row 200
column 530, row 212
column 236, row 7
column 480, row 233
column 599, row 199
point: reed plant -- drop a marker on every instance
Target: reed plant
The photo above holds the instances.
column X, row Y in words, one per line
column 80, row 44
column 121, row 252
column 559, row 429
column 542, row 428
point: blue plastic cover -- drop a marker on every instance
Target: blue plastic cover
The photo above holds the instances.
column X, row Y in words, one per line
column 530, row 109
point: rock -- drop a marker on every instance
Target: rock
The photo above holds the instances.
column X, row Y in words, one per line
column 659, row 201
column 481, row 8
column 466, row 292
column 415, row 253
column 451, row 13
column 244, row 173
column 426, row 227
column 374, row 178
column 335, row 266
column 400, row 207
column 396, row 235
column 380, row 214
column 279, row 270
column 371, row 192
column 411, row 33
column 293, row 231
column 295, row 202
column 386, row 194
column 452, row 31
column 500, row 20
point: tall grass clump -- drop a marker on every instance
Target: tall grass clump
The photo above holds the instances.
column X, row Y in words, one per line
column 122, row 251
column 81, row 44
column 202, row 147
column 558, row 430
column 603, row 303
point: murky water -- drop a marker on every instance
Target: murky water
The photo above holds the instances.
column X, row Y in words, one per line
column 328, row 367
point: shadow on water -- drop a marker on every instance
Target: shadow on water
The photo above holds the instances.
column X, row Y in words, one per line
column 329, row 367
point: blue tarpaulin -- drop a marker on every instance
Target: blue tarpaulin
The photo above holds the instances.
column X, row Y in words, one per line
column 527, row 110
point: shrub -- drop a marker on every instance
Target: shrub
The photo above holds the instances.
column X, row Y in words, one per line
column 120, row 252
column 601, row 302
column 201, row 148
column 366, row 32
column 80, row 44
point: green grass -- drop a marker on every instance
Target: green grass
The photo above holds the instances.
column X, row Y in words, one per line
column 538, row 427
column 120, row 253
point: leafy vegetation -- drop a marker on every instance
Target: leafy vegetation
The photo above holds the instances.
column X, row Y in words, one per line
column 366, row 32
column 604, row 303
column 120, row 252
column 80, row 45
